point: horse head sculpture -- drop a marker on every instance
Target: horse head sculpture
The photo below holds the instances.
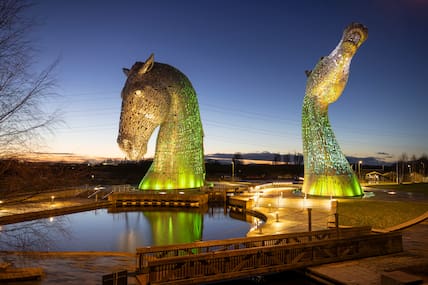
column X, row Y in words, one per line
column 157, row 94
column 327, row 171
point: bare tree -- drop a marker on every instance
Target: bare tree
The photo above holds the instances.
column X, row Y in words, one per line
column 22, row 92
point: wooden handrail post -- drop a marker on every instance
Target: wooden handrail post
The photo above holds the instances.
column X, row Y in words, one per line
column 310, row 221
column 336, row 222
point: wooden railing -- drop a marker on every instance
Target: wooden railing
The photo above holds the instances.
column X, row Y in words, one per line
column 146, row 254
column 239, row 263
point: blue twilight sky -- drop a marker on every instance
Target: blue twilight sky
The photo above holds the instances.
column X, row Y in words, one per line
column 246, row 61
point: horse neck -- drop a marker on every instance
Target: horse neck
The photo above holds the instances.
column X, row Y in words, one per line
column 321, row 149
column 180, row 135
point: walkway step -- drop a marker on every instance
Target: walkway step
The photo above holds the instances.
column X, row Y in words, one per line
column 399, row 278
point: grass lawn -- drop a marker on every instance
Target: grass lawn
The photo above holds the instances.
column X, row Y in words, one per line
column 407, row 187
column 378, row 214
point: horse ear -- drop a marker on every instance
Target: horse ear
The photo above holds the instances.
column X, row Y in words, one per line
column 308, row 72
column 148, row 65
column 126, row 71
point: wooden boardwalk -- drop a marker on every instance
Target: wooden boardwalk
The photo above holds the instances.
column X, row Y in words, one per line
column 20, row 274
column 210, row 261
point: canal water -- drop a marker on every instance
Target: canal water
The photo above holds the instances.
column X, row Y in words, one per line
column 102, row 230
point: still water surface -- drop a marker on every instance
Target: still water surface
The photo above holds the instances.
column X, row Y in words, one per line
column 99, row 230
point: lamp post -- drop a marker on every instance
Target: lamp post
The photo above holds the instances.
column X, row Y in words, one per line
column 359, row 168
column 233, row 170
column 410, row 172
column 396, row 169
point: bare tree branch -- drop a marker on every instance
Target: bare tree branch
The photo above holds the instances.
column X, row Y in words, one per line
column 22, row 93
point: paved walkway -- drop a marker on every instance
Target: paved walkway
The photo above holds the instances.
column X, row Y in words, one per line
column 34, row 205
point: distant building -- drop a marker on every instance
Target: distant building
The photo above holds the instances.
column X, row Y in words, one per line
column 378, row 176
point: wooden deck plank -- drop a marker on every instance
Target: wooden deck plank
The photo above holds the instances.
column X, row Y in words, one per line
column 18, row 274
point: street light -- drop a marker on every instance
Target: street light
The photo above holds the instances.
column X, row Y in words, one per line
column 396, row 169
column 359, row 168
column 410, row 172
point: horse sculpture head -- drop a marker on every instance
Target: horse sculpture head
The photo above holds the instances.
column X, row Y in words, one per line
column 329, row 77
column 145, row 105
column 157, row 94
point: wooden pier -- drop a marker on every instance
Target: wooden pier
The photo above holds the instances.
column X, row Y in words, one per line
column 210, row 261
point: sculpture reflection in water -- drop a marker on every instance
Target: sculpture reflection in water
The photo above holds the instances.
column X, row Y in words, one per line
column 179, row 227
column 327, row 171
column 157, row 94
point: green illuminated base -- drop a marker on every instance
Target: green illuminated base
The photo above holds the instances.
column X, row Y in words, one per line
column 161, row 181
column 334, row 185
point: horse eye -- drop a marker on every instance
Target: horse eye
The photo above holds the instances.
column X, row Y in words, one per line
column 137, row 92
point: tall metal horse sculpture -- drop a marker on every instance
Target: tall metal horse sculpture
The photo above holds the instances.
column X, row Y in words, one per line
column 327, row 172
column 157, row 94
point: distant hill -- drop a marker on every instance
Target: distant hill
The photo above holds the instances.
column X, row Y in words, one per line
column 271, row 158
column 245, row 158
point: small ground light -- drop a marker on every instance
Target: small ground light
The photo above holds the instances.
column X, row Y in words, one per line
column 52, row 198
